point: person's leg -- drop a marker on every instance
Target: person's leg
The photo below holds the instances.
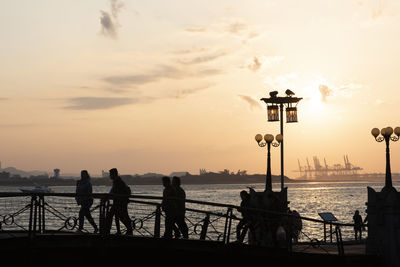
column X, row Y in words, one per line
column 81, row 218
column 169, row 222
column 183, row 228
column 117, row 224
column 175, row 228
column 239, row 228
column 109, row 219
column 124, row 217
column 89, row 217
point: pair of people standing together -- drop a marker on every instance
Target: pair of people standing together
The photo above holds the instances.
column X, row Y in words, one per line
column 119, row 209
column 173, row 204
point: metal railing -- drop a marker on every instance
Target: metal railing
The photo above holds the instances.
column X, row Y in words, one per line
column 52, row 213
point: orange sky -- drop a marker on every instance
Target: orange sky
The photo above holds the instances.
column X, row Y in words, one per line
column 162, row 86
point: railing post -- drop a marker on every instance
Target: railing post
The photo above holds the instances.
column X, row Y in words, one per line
column 227, row 229
column 102, row 216
column 43, row 215
column 339, row 241
column 204, row 227
column 157, row 222
column 32, row 217
column 40, row 222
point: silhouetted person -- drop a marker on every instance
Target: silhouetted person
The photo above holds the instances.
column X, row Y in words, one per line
column 295, row 224
column 84, row 186
column 168, row 205
column 244, row 224
column 117, row 224
column 119, row 207
column 358, row 224
column 180, row 207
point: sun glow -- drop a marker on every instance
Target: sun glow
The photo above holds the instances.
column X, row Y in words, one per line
column 314, row 97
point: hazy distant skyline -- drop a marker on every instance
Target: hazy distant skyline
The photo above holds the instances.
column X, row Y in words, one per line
column 163, row 86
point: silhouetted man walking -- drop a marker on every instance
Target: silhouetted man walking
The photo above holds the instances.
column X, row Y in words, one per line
column 120, row 203
column 168, row 205
column 180, row 207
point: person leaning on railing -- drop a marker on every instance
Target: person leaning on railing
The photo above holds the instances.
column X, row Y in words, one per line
column 244, row 224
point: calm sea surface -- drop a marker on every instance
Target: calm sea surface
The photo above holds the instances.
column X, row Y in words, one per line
column 309, row 199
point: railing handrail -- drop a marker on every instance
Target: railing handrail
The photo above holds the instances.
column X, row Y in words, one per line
column 134, row 196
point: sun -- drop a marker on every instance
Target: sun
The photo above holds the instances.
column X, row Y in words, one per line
column 314, row 96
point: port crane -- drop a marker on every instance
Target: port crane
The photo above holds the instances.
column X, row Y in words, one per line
column 325, row 171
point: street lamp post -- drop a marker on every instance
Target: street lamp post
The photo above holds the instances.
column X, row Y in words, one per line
column 275, row 105
column 269, row 140
column 386, row 134
column 383, row 209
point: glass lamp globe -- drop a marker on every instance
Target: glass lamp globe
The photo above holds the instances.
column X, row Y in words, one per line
column 268, row 138
column 279, row 138
column 258, row 138
column 375, row 132
column 397, row 131
column 389, row 131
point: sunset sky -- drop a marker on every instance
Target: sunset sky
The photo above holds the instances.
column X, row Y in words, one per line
column 162, row 86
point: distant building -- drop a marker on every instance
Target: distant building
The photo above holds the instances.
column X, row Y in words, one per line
column 203, row 171
column 178, row 174
column 56, row 174
column 104, row 174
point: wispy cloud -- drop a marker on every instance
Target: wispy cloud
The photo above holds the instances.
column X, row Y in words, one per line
column 237, row 27
column 109, row 23
column 253, row 104
column 255, row 65
column 161, row 72
column 93, row 103
column 325, row 91
column 182, row 93
column 193, row 49
column 203, row 58
column 195, row 29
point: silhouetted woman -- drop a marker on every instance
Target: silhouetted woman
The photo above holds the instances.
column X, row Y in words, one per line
column 84, row 186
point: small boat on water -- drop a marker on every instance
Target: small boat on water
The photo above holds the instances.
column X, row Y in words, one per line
column 37, row 189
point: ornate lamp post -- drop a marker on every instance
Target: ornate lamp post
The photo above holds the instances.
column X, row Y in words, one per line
column 275, row 105
column 383, row 209
column 386, row 134
column 269, row 140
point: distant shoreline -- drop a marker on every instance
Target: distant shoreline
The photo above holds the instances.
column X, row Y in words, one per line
column 185, row 180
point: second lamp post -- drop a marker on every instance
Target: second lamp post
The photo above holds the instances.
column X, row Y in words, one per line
column 269, row 140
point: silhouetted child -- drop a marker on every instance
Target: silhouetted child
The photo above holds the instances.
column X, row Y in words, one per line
column 358, row 224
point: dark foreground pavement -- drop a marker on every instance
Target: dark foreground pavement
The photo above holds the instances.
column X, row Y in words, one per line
column 95, row 250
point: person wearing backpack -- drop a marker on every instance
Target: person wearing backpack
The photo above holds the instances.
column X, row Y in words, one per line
column 121, row 192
